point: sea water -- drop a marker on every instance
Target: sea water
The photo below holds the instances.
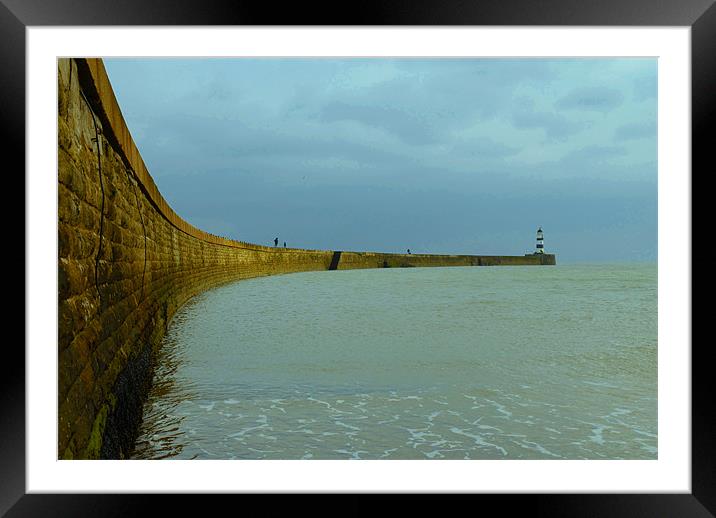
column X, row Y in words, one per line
column 523, row 362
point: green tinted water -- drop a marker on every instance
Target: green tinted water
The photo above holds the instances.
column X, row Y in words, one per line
column 421, row 363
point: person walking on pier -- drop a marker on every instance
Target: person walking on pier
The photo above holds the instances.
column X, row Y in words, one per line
column 275, row 242
column 284, row 244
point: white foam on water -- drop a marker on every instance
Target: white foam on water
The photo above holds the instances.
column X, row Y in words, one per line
column 600, row 384
column 478, row 440
column 642, row 432
column 353, row 454
column 597, row 434
column 262, row 451
column 386, row 453
column 502, row 409
column 247, row 430
column 345, row 425
column 537, row 447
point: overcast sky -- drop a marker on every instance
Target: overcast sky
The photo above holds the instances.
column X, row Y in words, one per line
column 436, row 155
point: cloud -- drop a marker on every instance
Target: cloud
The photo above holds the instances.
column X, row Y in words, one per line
column 413, row 128
column 483, row 147
column 636, row 130
column 593, row 154
column 591, row 98
column 554, row 125
column 645, row 87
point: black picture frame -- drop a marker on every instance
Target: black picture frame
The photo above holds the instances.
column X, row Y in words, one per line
column 700, row 15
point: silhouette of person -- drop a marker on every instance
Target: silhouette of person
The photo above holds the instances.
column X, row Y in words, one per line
column 275, row 242
column 284, row 244
column 408, row 251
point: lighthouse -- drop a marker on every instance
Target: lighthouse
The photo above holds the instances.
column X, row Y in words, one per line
column 540, row 242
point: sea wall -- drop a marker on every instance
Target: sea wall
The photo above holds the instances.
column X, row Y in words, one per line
column 127, row 262
column 354, row 260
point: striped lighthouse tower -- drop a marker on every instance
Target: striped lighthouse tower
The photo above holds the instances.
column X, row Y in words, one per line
column 540, row 242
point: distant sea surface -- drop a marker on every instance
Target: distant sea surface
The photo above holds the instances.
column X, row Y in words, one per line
column 531, row 362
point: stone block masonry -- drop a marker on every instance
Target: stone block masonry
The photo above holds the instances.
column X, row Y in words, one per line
column 127, row 262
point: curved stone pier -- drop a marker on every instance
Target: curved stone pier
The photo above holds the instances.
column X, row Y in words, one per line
column 127, row 261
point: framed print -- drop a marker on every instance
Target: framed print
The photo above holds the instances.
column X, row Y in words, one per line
column 600, row 112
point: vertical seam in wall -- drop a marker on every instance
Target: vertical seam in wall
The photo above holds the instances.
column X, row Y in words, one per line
column 144, row 228
column 334, row 260
column 69, row 93
column 101, row 214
